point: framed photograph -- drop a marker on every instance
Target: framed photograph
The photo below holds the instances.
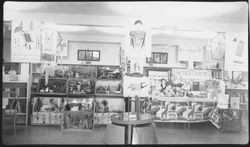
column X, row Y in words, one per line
column 96, row 55
column 81, row 55
column 88, row 55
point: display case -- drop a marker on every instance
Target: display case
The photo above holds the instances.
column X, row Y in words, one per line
column 182, row 95
column 53, row 86
column 108, row 87
column 109, row 72
column 82, row 72
column 78, row 114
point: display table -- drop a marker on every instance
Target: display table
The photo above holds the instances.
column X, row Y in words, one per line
column 136, row 131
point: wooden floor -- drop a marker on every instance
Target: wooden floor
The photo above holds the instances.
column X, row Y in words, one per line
column 203, row 133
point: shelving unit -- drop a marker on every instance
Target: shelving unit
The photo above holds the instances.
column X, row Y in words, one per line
column 19, row 84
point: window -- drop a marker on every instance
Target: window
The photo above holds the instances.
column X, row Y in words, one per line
column 88, row 55
column 158, row 57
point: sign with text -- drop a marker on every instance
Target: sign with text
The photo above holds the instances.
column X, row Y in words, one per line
column 223, row 100
column 133, row 86
column 236, row 55
column 185, row 54
column 180, row 75
column 158, row 82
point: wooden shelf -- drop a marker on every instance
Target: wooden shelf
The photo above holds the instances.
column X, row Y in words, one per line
column 49, row 94
column 21, row 113
column 46, row 125
column 21, row 98
column 237, row 89
column 109, row 95
column 108, row 79
column 81, row 95
column 181, row 121
column 184, row 99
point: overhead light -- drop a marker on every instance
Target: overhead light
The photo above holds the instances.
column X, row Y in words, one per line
column 193, row 34
column 65, row 28
column 173, row 10
column 16, row 6
column 111, row 30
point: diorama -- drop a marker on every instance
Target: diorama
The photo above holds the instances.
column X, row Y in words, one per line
column 81, row 86
column 109, row 72
column 54, row 85
column 106, row 107
column 109, row 87
column 78, row 114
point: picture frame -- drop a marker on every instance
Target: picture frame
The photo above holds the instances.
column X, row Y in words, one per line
column 88, row 55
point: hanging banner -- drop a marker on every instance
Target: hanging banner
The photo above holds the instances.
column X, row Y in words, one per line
column 138, row 40
column 25, row 41
column 223, row 100
column 180, row 75
column 236, row 55
column 135, row 86
column 158, row 82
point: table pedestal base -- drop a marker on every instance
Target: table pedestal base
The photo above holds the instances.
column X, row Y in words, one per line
column 144, row 134
column 114, row 134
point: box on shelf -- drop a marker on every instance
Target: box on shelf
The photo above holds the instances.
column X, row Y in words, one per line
column 109, row 72
column 108, row 87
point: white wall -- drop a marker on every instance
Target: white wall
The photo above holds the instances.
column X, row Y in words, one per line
column 109, row 52
column 110, row 47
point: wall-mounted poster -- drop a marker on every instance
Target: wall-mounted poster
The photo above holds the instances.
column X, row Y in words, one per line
column 181, row 75
column 158, row 82
column 138, row 40
column 185, row 54
column 135, row 86
column 236, row 56
column 25, row 41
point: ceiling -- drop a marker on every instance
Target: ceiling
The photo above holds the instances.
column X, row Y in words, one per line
column 161, row 12
column 230, row 12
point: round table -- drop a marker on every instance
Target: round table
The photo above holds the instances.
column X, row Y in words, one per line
column 128, row 124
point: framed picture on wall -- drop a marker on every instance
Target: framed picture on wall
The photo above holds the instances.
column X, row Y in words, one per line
column 88, row 55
